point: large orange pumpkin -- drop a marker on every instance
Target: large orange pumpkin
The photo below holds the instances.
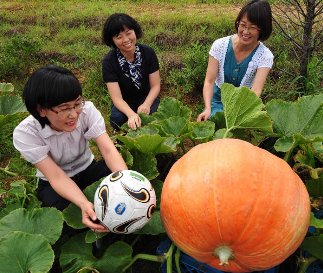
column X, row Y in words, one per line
column 235, row 206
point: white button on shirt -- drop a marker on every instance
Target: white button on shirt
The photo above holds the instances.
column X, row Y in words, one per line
column 70, row 150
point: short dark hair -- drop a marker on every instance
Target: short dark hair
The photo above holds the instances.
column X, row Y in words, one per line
column 50, row 86
column 258, row 12
column 117, row 23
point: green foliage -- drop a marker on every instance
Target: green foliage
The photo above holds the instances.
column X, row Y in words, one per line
column 17, row 55
column 11, row 108
column 45, row 221
column 76, row 254
column 190, row 77
column 20, row 195
column 297, row 123
column 26, row 237
column 243, row 110
column 23, row 252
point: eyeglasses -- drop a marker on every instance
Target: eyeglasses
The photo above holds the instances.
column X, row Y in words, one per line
column 63, row 113
column 252, row 29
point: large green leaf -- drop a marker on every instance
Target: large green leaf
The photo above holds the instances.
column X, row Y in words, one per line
column 318, row 223
column 22, row 252
column 146, row 164
column 174, row 126
column 11, row 104
column 154, row 226
column 201, row 131
column 297, row 122
column 243, row 109
column 315, row 187
column 313, row 245
column 158, row 186
column 72, row 214
column 170, row 107
column 9, row 107
column 45, row 221
column 8, row 208
column 6, row 87
column 150, row 144
column 76, row 254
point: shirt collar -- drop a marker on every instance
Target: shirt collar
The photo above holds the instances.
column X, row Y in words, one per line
column 47, row 131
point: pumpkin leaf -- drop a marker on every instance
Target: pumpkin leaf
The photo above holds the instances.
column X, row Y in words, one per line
column 11, row 104
column 313, row 245
column 45, row 221
column 315, row 187
column 127, row 156
column 243, row 109
column 76, row 255
column 8, row 208
column 158, row 186
column 149, row 144
column 201, row 131
column 72, row 214
column 146, row 164
column 297, row 122
column 154, row 226
column 6, row 87
column 23, row 252
column 317, row 223
column 173, row 126
column 170, row 107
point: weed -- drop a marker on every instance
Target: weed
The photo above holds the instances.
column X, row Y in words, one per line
column 17, row 55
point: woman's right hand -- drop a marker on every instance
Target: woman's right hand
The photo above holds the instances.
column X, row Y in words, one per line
column 204, row 115
column 134, row 121
column 89, row 218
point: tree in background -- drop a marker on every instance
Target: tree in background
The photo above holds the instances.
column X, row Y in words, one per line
column 301, row 23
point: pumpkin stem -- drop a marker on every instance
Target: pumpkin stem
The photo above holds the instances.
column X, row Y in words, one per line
column 224, row 253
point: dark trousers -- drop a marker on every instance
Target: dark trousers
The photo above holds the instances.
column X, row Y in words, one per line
column 118, row 118
column 50, row 198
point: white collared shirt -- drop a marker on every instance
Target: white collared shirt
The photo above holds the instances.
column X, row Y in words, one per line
column 263, row 57
column 70, row 150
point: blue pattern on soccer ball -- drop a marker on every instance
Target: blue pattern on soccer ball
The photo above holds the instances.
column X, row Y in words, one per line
column 120, row 208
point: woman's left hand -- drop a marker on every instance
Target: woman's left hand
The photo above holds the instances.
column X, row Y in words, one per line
column 144, row 108
column 134, row 122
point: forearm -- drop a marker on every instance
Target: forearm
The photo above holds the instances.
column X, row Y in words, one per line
column 110, row 154
column 123, row 107
column 153, row 94
column 115, row 162
column 207, row 94
column 69, row 190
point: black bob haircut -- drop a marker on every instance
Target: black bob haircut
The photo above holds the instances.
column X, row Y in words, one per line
column 259, row 13
column 50, row 86
column 117, row 23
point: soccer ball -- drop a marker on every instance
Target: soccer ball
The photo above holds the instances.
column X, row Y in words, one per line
column 124, row 201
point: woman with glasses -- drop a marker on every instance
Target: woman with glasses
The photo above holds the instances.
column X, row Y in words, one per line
column 130, row 71
column 55, row 139
column 240, row 59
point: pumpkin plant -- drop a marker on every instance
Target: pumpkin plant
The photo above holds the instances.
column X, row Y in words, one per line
column 167, row 135
column 235, row 206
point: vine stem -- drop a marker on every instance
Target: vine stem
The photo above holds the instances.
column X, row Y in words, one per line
column 183, row 148
column 8, row 172
column 169, row 257
column 177, row 257
column 147, row 257
column 306, row 263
